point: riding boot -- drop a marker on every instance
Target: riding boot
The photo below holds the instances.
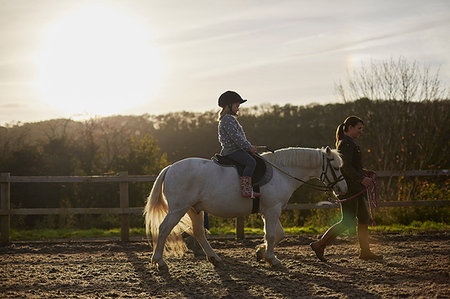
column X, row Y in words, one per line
column 319, row 246
column 363, row 237
column 246, row 187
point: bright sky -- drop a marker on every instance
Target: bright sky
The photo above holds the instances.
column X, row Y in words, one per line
column 72, row 58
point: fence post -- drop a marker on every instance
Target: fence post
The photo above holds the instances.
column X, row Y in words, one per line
column 5, row 206
column 240, row 228
column 124, row 203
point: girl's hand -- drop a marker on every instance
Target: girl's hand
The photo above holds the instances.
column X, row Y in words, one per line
column 253, row 149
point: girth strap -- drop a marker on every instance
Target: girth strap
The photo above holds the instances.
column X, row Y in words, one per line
column 255, row 207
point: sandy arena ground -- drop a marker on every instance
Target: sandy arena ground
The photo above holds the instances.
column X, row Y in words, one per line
column 414, row 266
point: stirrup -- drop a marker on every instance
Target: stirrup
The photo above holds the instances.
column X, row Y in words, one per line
column 255, row 194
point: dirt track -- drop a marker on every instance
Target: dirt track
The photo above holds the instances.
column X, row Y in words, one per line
column 414, row 266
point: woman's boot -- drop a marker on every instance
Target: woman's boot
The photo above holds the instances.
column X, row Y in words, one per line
column 363, row 237
column 246, row 187
column 319, row 246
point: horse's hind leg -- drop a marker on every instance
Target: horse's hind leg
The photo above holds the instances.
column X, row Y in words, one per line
column 172, row 218
column 200, row 236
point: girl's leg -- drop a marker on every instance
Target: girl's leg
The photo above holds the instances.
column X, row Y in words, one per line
column 244, row 158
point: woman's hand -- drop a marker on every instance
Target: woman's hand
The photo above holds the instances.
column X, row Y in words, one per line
column 253, row 149
column 369, row 173
column 367, row 182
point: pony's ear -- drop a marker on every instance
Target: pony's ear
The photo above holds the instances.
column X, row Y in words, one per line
column 328, row 150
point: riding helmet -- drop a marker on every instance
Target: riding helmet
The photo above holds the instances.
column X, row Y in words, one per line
column 230, row 97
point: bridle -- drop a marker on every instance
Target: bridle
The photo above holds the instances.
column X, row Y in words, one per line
column 326, row 164
column 324, row 176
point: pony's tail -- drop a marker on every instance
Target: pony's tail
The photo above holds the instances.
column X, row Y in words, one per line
column 156, row 207
column 156, row 210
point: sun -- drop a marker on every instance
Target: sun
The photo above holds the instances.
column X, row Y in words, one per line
column 98, row 60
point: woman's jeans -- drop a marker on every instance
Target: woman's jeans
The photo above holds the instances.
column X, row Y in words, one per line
column 244, row 158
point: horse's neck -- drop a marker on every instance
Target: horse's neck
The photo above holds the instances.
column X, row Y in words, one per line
column 301, row 158
column 302, row 163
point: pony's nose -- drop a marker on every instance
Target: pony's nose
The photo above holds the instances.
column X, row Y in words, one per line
column 341, row 189
column 344, row 189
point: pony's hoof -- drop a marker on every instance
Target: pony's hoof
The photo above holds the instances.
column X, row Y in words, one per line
column 161, row 266
column 274, row 262
column 259, row 255
column 216, row 261
column 260, row 251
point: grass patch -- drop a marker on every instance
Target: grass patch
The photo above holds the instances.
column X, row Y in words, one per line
column 228, row 230
column 415, row 226
column 49, row 234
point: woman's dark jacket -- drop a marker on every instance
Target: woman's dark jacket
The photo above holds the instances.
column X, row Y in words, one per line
column 352, row 169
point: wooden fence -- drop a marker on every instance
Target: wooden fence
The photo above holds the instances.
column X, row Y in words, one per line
column 125, row 210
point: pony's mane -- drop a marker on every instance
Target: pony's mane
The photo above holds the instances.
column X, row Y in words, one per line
column 298, row 156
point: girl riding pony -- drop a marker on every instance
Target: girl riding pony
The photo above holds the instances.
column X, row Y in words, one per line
column 233, row 141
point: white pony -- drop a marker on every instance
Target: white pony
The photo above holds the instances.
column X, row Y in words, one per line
column 183, row 190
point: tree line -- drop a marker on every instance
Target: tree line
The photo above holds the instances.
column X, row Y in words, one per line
column 399, row 135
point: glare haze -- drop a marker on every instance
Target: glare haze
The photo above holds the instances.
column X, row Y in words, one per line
column 75, row 59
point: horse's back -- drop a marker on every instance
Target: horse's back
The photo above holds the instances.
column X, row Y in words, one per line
column 199, row 171
column 191, row 166
column 200, row 166
column 192, row 161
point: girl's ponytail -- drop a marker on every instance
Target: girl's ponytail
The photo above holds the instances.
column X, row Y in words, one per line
column 225, row 110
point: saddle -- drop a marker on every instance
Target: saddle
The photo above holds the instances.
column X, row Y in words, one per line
column 261, row 176
column 258, row 174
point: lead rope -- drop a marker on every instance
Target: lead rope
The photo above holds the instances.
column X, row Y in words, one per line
column 372, row 197
column 371, row 193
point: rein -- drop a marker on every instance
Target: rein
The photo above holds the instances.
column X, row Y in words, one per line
column 323, row 175
column 371, row 197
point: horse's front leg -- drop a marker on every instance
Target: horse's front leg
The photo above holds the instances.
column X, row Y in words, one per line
column 261, row 248
column 273, row 234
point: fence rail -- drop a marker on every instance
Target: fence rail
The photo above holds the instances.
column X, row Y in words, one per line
column 124, row 211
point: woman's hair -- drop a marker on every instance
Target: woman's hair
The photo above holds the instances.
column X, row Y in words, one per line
column 225, row 110
column 349, row 121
